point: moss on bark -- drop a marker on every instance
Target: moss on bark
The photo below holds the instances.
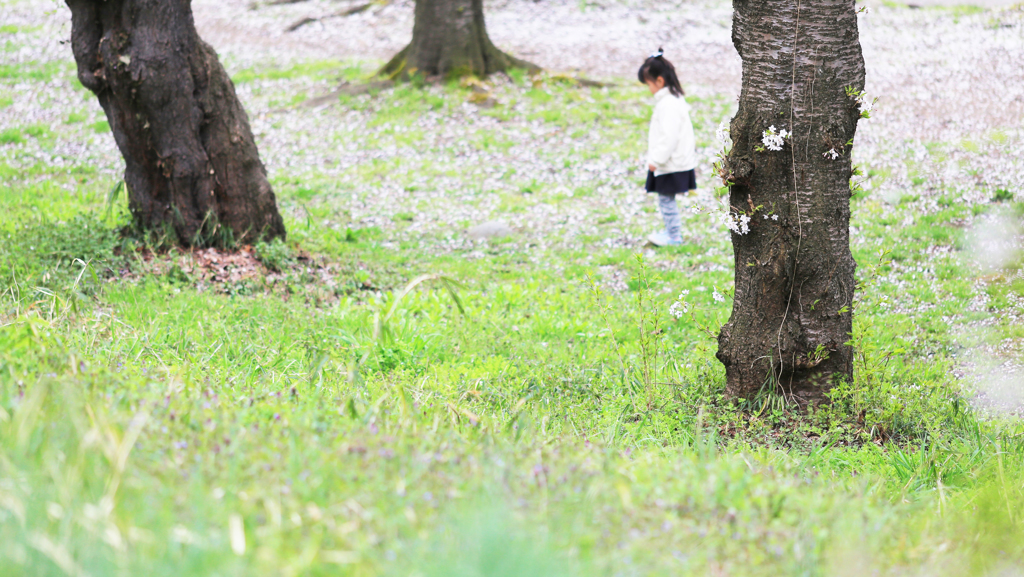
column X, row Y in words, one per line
column 450, row 39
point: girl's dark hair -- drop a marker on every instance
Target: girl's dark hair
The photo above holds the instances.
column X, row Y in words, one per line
column 656, row 66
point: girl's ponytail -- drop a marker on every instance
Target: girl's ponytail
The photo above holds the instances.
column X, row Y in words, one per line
column 656, row 66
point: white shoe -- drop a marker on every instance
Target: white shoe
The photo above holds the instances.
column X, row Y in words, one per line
column 662, row 239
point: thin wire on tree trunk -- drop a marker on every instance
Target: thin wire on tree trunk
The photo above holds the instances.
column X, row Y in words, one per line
column 810, row 124
column 796, row 197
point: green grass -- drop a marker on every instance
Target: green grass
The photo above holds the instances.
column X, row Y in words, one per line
column 503, row 416
column 35, row 71
column 20, row 135
column 11, row 136
column 316, row 69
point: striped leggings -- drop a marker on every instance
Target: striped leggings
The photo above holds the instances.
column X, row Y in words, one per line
column 670, row 212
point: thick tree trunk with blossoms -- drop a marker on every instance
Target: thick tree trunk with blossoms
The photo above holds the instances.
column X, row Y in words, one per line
column 191, row 165
column 789, row 173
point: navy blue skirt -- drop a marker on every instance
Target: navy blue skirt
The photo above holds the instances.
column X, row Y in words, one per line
column 672, row 183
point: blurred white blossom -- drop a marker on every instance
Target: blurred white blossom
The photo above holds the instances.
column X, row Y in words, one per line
column 738, row 223
column 680, row 307
column 723, row 135
column 866, row 106
column 773, row 140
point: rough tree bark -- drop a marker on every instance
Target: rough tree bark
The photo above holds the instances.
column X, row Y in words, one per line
column 449, row 39
column 192, row 167
column 793, row 304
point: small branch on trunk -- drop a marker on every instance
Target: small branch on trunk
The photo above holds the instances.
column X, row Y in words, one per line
column 340, row 14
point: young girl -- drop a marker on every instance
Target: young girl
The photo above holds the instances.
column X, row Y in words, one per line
column 671, row 150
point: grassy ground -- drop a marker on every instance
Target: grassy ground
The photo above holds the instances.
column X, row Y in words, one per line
column 528, row 408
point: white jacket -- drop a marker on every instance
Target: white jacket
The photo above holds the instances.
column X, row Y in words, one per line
column 671, row 146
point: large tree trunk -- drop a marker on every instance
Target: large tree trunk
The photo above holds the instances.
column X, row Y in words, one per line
column 792, row 309
column 192, row 167
column 449, row 39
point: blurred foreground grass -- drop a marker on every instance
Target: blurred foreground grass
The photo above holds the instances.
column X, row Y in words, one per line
column 129, row 468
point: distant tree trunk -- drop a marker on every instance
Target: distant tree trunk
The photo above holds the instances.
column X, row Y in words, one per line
column 192, row 167
column 792, row 309
column 449, row 38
